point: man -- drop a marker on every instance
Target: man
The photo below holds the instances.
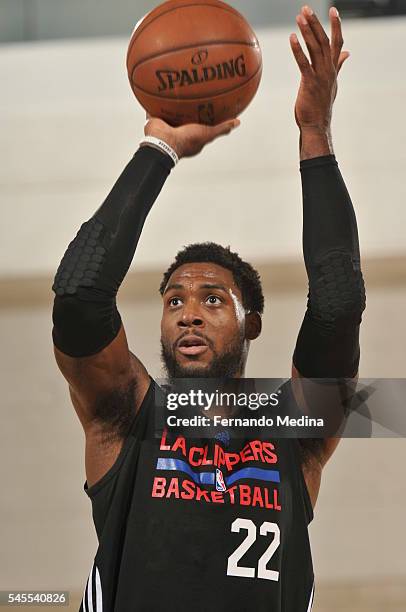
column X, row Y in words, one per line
column 206, row 524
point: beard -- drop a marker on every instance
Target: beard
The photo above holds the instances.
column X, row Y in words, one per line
column 227, row 365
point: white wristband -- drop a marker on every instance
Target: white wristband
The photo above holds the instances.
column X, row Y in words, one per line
column 160, row 144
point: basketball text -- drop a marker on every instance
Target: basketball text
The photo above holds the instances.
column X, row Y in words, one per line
column 169, row 79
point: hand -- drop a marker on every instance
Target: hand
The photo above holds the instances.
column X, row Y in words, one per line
column 318, row 86
column 188, row 140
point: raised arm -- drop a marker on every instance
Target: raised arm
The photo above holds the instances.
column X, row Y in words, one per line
column 107, row 383
column 328, row 341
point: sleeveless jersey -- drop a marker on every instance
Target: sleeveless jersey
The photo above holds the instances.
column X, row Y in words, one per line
column 200, row 525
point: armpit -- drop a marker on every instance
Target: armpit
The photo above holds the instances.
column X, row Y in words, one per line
column 114, row 412
column 311, row 449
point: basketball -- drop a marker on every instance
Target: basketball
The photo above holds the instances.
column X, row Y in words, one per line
column 190, row 61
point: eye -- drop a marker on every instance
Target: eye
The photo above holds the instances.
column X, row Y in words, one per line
column 175, row 301
column 214, row 300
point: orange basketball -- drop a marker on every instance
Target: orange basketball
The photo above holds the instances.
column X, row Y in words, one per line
column 194, row 61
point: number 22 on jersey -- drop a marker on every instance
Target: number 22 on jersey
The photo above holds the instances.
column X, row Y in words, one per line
column 261, row 571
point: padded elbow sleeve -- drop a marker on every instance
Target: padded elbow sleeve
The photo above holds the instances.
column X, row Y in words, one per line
column 85, row 314
column 83, row 328
column 336, row 290
column 328, row 341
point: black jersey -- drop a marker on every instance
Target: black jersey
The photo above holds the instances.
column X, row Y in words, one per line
column 200, row 525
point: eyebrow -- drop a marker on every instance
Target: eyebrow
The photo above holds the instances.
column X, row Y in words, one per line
column 179, row 287
column 173, row 286
column 214, row 286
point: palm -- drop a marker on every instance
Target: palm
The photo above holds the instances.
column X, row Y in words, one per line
column 188, row 140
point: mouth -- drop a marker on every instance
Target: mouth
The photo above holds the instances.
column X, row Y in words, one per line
column 192, row 345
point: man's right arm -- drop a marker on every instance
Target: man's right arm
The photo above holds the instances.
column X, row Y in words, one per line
column 107, row 382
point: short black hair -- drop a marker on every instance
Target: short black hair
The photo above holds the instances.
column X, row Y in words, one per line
column 245, row 276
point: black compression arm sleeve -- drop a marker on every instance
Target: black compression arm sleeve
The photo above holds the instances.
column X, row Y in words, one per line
column 85, row 315
column 328, row 341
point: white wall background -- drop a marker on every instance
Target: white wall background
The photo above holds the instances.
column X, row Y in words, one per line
column 69, row 123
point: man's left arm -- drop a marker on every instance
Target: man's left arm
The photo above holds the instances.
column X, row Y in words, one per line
column 328, row 341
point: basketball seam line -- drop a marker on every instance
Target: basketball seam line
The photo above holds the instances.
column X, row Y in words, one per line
column 195, row 99
column 175, row 8
column 214, row 42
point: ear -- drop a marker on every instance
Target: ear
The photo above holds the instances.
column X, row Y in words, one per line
column 253, row 325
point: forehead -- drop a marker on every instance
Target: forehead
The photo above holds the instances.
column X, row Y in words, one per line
column 196, row 273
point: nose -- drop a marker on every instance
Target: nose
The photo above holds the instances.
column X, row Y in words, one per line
column 190, row 317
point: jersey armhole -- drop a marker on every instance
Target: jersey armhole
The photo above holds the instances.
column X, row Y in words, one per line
column 292, row 405
column 306, row 494
column 136, row 424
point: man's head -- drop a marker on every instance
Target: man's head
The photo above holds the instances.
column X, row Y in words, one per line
column 212, row 306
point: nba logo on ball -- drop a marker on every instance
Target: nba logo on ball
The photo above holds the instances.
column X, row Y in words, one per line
column 220, row 484
column 190, row 61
